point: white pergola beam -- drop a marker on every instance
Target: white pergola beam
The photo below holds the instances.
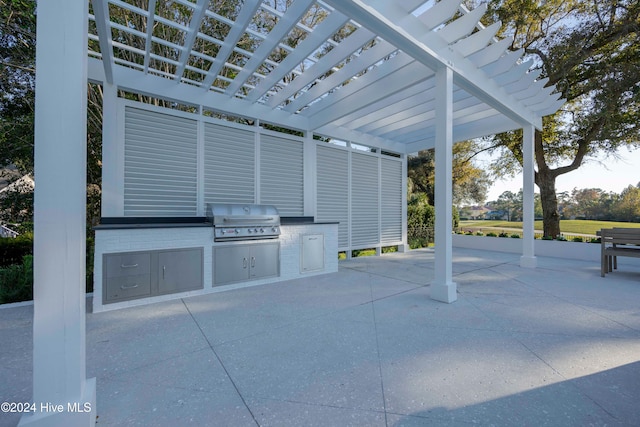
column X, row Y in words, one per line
column 313, row 41
column 422, row 117
column 101, row 13
column 192, row 33
column 503, row 64
column 355, row 96
column 398, row 102
column 359, row 137
column 400, row 29
column 348, row 46
column 237, row 30
column 439, row 13
column 477, row 41
column 366, row 59
column 491, row 53
column 282, row 28
column 463, row 26
column 150, row 23
column 128, row 79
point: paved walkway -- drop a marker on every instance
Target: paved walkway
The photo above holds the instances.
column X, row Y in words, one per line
column 558, row 346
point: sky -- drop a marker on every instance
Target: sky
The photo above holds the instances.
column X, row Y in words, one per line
column 608, row 175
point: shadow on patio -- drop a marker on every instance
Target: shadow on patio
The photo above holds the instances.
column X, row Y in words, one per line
column 558, row 345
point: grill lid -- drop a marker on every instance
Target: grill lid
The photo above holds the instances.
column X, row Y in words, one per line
column 243, row 221
column 242, row 215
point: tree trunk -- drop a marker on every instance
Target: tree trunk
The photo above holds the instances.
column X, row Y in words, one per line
column 551, row 219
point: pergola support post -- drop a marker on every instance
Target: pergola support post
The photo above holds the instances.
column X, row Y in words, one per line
column 444, row 289
column 112, row 156
column 62, row 395
column 528, row 258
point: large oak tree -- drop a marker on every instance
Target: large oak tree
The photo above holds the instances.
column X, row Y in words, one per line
column 589, row 49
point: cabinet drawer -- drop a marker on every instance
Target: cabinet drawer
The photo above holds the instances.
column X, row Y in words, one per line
column 126, row 287
column 134, row 264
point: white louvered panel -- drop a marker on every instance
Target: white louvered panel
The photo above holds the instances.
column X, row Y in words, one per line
column 332, row 190
column 229, row 165
column 281, row 174
column 364, row 201
column 160, row 164
column 391, row 203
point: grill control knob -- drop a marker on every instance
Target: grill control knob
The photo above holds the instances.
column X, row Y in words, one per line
column 249, row 230
column 262, row 230
column 274, row 229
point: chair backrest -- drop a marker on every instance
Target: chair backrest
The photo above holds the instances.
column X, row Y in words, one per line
column 628, row 236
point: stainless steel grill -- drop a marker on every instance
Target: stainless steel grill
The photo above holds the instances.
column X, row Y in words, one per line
column 243, row 221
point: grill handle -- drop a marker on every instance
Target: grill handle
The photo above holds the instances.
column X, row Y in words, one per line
column 247, row 219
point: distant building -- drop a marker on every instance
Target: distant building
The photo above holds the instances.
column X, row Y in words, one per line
column 474, row 212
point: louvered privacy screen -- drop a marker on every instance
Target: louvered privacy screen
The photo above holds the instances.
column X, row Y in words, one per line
column 365, row 223
column 229, row 164
column 281, row 174
column 361, row 191
column 333, row 189
column 160, row 169
column 391, row 200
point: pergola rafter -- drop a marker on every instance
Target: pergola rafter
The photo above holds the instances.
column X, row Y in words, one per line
column 376, row 70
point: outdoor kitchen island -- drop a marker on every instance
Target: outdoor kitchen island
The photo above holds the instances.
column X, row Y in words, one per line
column 145, row 260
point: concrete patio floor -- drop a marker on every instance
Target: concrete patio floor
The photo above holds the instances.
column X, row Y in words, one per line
column 558, row 346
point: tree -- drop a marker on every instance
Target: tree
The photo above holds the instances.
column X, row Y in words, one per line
column 511, row 204
column 587, row 202
column 628, row 206
column 597, row 75
column 470, row 183
column 17, row 83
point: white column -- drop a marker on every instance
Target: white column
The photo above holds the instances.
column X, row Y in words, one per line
column 528, row 258
column 112, row 155
column 59, row 353
column 310, row 173
column 444, row 289
column 404, row 247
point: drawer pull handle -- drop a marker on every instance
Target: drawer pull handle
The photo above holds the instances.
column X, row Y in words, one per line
column 244, row 263
column 253, row 261
column 128, row 265
column 128, row 287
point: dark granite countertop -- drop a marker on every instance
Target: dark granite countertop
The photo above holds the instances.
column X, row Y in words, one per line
column 120, row 223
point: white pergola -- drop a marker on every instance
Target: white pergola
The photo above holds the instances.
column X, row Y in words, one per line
column 404, row 76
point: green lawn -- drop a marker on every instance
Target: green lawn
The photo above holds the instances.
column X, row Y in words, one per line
column 566, row 226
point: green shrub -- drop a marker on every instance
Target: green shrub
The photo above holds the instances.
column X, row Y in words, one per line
column 515, row 236
column 577, row 239
column 547, row 238
column 492, row 234
column 16, row 281
column 469, row 233
column 503, row 234
column 595, row 240
column 12, row 250
column 561, row 239
column 389, row 249
column 362, row 252
column 479, row 233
